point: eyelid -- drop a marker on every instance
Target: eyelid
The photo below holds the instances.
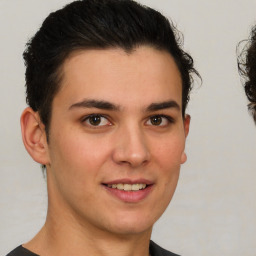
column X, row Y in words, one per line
column 169, row 119
column 85, row 118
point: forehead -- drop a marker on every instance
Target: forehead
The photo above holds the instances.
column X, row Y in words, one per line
column 120, row 77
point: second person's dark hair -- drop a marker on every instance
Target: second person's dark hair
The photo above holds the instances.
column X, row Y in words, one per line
column 247, row 68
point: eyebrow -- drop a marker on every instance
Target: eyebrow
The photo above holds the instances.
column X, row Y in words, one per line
column 100, row 104
column 163, row 105
column 105, row 105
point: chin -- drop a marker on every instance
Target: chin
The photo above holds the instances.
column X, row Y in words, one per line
column 131, row 230
column 129, row 226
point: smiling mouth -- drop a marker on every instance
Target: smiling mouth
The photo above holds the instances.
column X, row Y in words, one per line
column 127, row 187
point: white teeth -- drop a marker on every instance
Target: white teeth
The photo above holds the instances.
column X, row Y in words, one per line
column 128, row 187
column 120, row 186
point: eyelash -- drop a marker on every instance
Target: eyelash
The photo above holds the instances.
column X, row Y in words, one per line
column 169, row 119
column 86, row 118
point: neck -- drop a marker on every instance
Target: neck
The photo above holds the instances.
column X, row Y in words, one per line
column 64, row 235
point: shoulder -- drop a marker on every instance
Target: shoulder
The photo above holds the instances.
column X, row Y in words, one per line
column 21, row 251
column 156, row 250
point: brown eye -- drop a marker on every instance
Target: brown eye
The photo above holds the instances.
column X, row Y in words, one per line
column 156, row 120
column 159, row 120
column 97, row 120
column 94, row 120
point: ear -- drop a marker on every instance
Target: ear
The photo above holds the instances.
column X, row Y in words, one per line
column 34, row 136
column 186, row 124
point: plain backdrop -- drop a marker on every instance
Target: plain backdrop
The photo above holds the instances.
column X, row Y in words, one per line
column 214, row 209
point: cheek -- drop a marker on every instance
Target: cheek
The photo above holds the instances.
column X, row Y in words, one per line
column 75, row 163
column 168, row 152
column 168, row 156
column 79, row 152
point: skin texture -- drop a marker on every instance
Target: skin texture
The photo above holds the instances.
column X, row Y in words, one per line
column 133, row 139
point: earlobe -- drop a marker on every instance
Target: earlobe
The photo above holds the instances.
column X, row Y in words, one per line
column 34, row 137
column 183, row 158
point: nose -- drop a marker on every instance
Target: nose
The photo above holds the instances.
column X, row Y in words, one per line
column 131, row 148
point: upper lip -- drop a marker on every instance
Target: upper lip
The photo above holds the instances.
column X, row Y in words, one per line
column 129, row 181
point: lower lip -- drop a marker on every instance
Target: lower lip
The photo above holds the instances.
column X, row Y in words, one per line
column 130, row 196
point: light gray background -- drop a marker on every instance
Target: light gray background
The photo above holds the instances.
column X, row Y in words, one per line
column 214, row 209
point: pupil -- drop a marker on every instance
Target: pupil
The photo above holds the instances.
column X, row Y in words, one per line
column 94, row 120
column 156, row 120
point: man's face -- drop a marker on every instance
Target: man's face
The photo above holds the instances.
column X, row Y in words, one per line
column 117, row 139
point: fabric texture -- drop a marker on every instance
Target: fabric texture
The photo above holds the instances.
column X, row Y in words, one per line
column 154, row 250
column 21, row 251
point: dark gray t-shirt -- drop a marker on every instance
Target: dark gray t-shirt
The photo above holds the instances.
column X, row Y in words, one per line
column 154, row 249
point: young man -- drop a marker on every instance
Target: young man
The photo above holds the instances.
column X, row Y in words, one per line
column 107, row 88
column 247, row 67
